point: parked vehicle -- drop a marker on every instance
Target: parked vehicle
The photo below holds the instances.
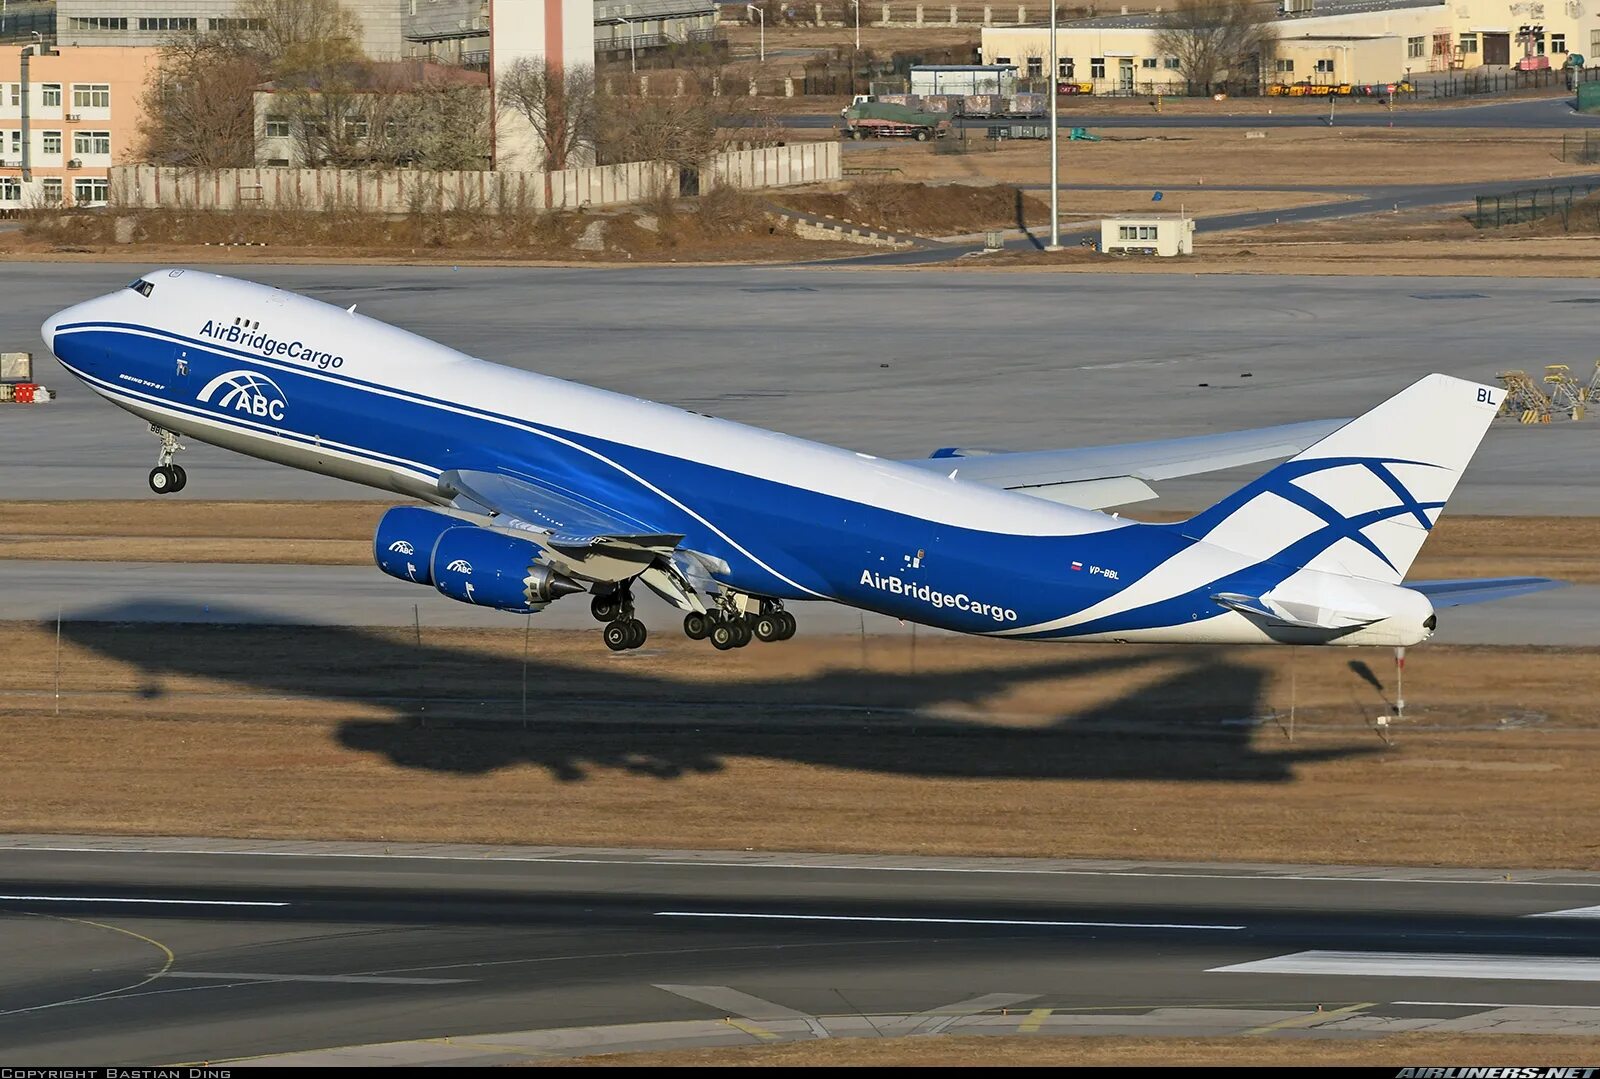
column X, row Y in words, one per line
column 882, row 119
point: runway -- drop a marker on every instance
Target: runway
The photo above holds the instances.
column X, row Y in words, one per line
column 136, row 951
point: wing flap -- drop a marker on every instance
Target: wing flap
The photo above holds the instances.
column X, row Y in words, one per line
column 572, row 525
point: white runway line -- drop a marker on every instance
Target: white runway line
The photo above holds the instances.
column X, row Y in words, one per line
column 1575, row 912
column 1535, row 968
column 937, row 921
column 123, row 899
column 349, row 979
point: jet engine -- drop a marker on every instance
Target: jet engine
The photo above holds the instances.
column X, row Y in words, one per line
column 403, row 544
column 492, row 569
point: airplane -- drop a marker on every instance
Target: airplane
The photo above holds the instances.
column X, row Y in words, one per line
column 535, row 488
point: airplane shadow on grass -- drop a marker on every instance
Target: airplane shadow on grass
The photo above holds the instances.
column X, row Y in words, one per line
column 458, row 710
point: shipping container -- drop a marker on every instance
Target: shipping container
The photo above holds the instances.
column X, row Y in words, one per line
column 16, row 366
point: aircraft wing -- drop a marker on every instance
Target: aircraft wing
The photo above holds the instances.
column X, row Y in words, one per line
column 1095, row 477
column 574, row 526
column 1461, row 593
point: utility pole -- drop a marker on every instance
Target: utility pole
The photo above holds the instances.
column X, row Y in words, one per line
column 633, row 53
column 1055, row 159
column 759, row 14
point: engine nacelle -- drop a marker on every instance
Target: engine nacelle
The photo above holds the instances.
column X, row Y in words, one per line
column 403, row 544
column 491, row 569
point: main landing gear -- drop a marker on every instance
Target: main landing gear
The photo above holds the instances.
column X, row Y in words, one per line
column 623, row 631
column 728, row 629
column 167, row 478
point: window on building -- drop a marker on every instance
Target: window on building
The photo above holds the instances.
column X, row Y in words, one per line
column 167, row 22
column 50, row 95
column 91, row 189
column 1414, row 46
column 1285, row 67
column 1065, row 67
column 50, row 190
column 90, row 142
column 1469, row 43
column 1097, row 67
column 1172, row 63
column 1558, row 42
column 1035, row 66
column 1325, row 67
column 1538, row 43
column 277, row 127
column 50, row 143
column 1126, row 232
column 15, row 94
column 356, row 126
column 99, row 22
column 1147, row 232
column 91, row 96
column 238, row 24
column 278, row 162
column 10, row 189
column 1148, row 62
column 16, row 142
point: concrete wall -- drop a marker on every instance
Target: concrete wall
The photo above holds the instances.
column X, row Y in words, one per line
column 778, row 166
column 408, row 190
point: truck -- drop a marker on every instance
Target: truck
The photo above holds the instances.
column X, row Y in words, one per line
column 882, row 119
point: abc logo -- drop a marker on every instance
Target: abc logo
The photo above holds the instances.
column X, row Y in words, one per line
column 460, row 565
column 247, row 392
column 402, row 547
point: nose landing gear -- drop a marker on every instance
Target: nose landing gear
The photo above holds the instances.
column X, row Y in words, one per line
column 167, row 478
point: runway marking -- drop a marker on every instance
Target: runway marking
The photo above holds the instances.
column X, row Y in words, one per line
column 1268, row 876
column 1477, row 1004
column 167, row 960
column 1310, row 1018
column 1425, row 965
column 940, row 921
column 936, row 1020
column 750, row 1028
column 1034, row 1021
column 349, row 979
column 121, row 899
column 1575, row 912
column 730, row 1001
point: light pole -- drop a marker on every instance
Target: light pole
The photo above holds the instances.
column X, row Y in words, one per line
column 853, row 3
column 633, row 53
column 1055, row 161
column 758, row 13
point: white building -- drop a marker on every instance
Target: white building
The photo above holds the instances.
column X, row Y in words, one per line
column 1148, row 234
column 559, row 33
column 153, row 22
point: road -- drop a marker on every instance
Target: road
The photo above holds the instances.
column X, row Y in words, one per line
column 1553, row 113
column 168, row 951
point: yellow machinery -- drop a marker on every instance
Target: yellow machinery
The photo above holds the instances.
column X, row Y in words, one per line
column 1524, row 400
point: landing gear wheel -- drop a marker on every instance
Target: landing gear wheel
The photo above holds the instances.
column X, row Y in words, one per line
column 769, row 627
column 789, row 625
column 617, row 636
column 741, row 632
column 163, row 480
column 636, row 632
column 724, row 636
column 605, row 608
column 697, row 627
column 182, row 478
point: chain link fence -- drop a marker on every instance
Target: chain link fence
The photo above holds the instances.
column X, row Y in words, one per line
column 1529, row 203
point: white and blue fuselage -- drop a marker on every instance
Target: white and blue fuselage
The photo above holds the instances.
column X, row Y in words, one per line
column 289, row 379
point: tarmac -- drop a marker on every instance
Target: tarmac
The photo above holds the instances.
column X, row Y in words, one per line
column 181, row 950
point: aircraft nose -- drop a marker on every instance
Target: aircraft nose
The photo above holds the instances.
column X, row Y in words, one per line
column 48, row 330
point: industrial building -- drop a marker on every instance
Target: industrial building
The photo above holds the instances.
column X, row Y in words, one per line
column 83, row 113
column 1325, row 42
column 153, row 22
column 457, row 31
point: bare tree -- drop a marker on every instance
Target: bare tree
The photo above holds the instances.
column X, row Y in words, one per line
column 557, row 103
column 1217, row 40
column 199, row 105
column 437, row 125
column 296, row 38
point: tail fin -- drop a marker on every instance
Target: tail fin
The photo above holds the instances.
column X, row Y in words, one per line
column 1361, row 502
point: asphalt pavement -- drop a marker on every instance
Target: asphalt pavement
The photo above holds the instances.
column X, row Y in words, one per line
column 152, row 952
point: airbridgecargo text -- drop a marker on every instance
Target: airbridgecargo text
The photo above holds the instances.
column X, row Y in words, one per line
column 268, row 345
column 959, row 600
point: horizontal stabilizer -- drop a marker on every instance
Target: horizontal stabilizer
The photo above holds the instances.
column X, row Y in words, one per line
column 1461, row 593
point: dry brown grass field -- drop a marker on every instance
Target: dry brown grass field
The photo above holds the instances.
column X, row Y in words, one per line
column 937, row 745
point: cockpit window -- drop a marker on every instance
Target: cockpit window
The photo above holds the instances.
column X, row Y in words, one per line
column 143, row 287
